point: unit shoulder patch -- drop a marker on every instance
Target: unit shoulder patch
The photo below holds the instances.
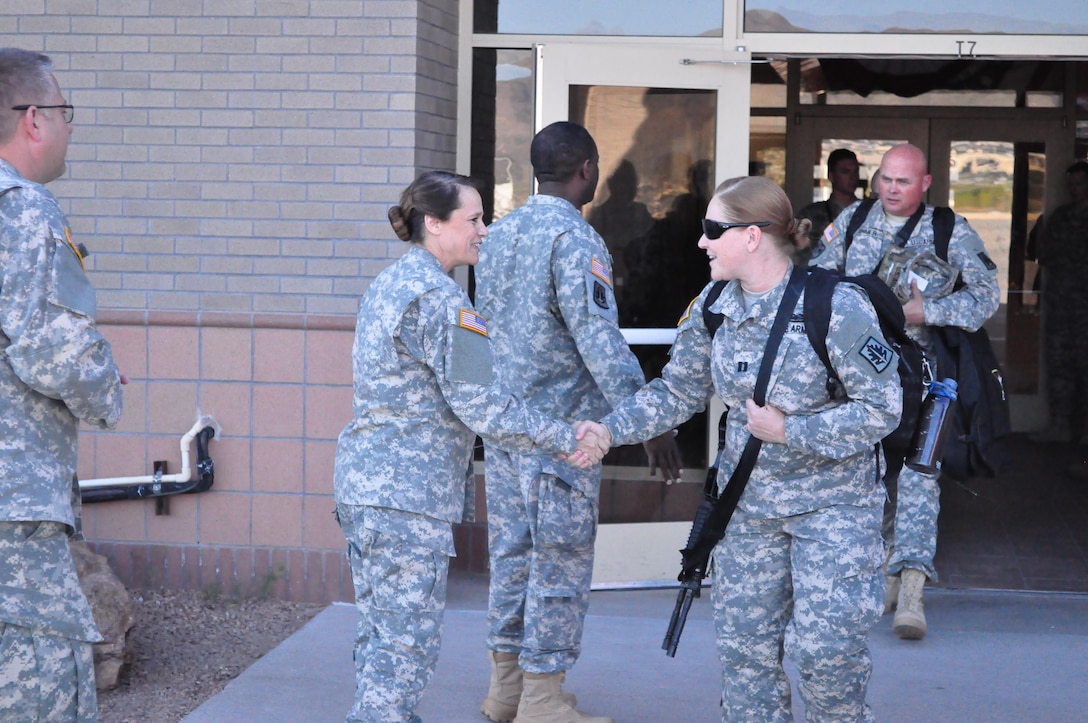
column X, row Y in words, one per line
column 877, row 353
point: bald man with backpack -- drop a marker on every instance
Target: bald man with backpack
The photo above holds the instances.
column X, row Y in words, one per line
column 959, row 291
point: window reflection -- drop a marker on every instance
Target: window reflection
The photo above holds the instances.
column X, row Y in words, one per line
column 999, row 187
column 603, row 17
column 656, row 150
column 502, row 127
column 1044, row 17
column 903, row 82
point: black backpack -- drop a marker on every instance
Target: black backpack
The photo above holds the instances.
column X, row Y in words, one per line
column 974, row 447
column 819, row 286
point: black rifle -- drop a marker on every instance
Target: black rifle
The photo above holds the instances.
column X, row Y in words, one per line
column 714, row 512
column 695, row 566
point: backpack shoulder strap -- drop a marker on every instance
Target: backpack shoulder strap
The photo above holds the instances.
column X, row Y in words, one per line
column 860, row 214
column 889, row 312
column 817, row 311
column 710, row 318
column 944, row 220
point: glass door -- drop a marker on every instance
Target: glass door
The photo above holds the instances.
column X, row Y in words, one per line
column 1001, row 175
column 670, row 122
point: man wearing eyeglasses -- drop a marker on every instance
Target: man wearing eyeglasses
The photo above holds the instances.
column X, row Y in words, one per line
column 55, row 370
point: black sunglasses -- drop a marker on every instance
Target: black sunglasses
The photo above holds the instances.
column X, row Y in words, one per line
column 69, row 111
column 715, row 229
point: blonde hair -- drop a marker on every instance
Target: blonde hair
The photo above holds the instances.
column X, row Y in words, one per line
column 758, row 198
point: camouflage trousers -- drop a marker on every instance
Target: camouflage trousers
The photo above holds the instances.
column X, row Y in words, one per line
column 910, row 522
column 46, row 629
column 400, row 591
column 809, row 586
column 541, row 533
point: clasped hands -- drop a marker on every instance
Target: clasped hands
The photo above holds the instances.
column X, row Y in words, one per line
column 594, row 441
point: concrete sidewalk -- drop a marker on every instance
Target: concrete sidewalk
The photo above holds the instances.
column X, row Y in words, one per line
column 990, row 656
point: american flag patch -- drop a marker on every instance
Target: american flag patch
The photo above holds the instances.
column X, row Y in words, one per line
column 687, row 312
column 474, row 322
column 830, row 233
column 79, row 254
column 600, row 271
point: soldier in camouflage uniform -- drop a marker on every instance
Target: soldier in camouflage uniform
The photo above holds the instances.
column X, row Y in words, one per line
column 798, row 570
column 1063, row 254
column 843, row 174
column 55, row 370
column 545, row 283
column 911, row 521
column 424, row 388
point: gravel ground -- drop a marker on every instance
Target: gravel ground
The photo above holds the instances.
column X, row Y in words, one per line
column 186, row 647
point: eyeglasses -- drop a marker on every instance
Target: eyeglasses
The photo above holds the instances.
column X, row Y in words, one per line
column 69, row 110
column 715, row 229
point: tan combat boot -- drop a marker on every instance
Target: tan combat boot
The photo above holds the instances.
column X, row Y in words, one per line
column 504, row 691
column 543, row 701
column 909, row 622
column 501, row 703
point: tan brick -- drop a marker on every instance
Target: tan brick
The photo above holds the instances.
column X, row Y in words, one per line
column 310, row 27
column 202, row 26
column 172, row 301
column 282, row 46
column 204, row 62
column 201, row 282
column 284, row 8
column 226, row 302
column 333, row 305
column 280, row 303
column 174, row 226
column 253, row 285
column 260, row 210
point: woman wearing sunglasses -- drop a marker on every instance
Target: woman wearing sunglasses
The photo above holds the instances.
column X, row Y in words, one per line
column 799, row 569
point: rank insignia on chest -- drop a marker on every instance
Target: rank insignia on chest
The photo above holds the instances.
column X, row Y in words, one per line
column 877, row 353
column 599, row 270
column 472, row 321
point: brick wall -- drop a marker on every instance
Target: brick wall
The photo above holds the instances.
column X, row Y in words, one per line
column 240, row 155
column 230, row 170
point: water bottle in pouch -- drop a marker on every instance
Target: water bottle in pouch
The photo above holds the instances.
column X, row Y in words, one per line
column 934, row 426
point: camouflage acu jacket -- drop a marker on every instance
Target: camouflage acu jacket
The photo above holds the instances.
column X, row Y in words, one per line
column 968, row 307
column 829, row 456
column 55, row 367
column 545, row 283
column 424, row 388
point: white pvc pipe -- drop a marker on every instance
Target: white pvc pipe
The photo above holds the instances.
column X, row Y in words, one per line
column 182, row 476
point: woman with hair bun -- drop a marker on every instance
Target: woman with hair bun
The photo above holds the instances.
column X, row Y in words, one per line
column 424, row 388
column 799, row 569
